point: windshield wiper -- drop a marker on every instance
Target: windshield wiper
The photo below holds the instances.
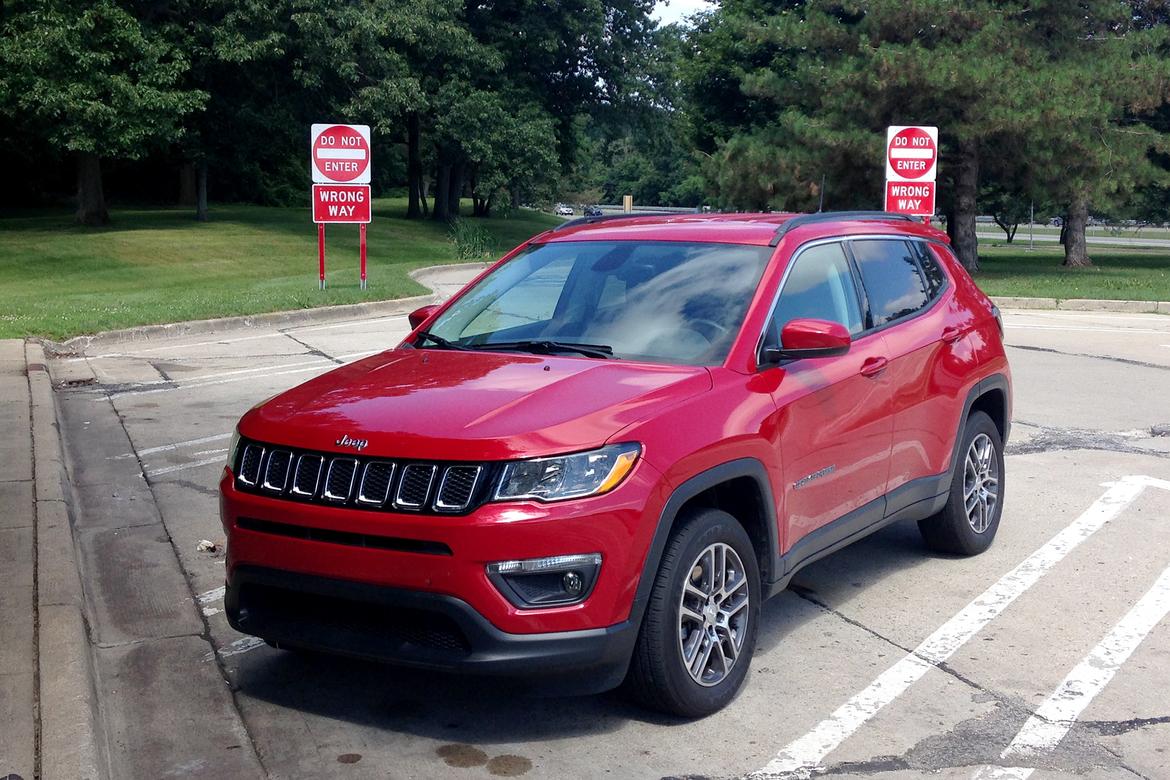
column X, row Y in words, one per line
column 545, row 347
column 424, row 336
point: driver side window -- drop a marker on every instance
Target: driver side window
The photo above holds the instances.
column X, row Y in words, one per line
column 819, row 286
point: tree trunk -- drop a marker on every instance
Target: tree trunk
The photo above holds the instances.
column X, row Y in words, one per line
column 91, row 200
column 187, row 184
column 455, row 193
column 201, row 193
column 414, row 169
column 442, row 184
column 963, row 238
column 1076, row 253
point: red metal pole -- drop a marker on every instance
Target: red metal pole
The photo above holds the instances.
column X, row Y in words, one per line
column 362, row 244
column 321, row 253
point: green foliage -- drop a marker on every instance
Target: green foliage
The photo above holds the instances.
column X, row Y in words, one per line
column 93, row 77
column 472, row 240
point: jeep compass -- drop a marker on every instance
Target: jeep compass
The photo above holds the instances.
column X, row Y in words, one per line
column 593, row 464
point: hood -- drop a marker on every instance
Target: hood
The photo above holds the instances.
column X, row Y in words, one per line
column 451, row 405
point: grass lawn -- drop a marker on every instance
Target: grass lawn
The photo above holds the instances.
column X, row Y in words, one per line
column 1117, row 274
column 159, row 265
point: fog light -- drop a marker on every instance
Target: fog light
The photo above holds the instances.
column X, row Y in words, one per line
column 546, row 582
column 572, row 583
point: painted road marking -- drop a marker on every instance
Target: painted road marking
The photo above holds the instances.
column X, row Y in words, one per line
column 230, row 380
column 238, row 339
column 171, row 447
column 237, row 647
column 1044, row 730
column 1084, row 328
column 210, row 597
column 804, row 755
column 151, row 474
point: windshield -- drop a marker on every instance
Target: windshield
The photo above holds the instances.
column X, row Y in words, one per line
column 659, row 301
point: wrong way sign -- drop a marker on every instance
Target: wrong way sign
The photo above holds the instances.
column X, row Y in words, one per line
column 340, row 154
column 911, row 153
column 341, row 203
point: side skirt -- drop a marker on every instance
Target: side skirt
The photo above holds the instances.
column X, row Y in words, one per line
column 916, row 500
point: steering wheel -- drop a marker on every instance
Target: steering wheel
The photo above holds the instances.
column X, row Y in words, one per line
column 708, row 329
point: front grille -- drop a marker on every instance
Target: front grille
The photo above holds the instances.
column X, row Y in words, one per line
column 363, row 483
column 457, row 488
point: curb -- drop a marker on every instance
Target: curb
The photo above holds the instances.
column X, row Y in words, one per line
column 351, row 311
column 1083, row 304
column 69, row 746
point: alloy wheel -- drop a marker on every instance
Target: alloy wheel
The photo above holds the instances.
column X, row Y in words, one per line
column 713, row 614
column 980, row 483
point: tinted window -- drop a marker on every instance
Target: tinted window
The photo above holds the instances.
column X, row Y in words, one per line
column 930, row 268
column 664, row 301
column 820, row 285
column 893, row 283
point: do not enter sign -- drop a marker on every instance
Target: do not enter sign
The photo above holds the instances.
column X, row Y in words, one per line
column 911, row 153
column 341, row 154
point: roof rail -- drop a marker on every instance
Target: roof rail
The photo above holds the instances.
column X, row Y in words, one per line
column 607, row 217
column 829, row 216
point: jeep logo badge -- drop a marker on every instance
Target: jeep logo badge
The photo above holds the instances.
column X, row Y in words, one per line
column 357, row 444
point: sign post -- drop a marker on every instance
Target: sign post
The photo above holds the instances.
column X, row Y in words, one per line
column 339, row 161
column 911, row 170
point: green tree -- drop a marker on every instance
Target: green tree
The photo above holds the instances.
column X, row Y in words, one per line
column 96, row 81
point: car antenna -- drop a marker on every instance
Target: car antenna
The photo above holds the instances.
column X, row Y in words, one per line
column 821, row 202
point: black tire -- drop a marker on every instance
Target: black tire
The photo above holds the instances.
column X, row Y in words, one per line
column 658, row 677
column 952, row 530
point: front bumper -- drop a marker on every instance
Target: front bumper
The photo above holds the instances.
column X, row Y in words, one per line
column 420, row 629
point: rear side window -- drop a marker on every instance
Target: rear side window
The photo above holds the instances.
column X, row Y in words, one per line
column 820, row 286
column 893, row 282
column 935, row 279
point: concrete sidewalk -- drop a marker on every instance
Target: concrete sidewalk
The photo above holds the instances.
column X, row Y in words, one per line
column 47, row 699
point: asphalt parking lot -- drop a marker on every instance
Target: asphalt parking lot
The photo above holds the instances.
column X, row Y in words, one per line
column 1051, row 652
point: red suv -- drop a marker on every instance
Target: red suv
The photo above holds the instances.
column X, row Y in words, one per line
column 595, row 462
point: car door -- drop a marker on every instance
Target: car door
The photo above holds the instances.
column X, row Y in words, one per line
column 902, row 294
column 834, row 424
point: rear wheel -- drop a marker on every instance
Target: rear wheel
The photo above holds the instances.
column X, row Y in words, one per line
column 699, row 630
column 968, row 522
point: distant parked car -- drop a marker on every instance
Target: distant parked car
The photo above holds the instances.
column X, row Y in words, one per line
column 592, row 211
column 565, row 211
column 1056, row 222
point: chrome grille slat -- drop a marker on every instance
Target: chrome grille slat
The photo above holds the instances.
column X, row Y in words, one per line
column 457, row 488
column 250, row 462
column 349, row 480
column 308, row 475
column 339, row 479
column 377, row 477
column 276, row 473
column 415, row 485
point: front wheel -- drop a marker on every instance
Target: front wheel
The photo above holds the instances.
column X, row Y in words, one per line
column 968, row 522
column 699, row 630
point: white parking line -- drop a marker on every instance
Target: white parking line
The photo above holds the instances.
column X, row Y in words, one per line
column 195, row 385
column 152, row 473
column 210, row 597
column 1084, row 328
column 1043, row 731
column 804, row 755
column 237, row 647
column 214, row 342
column 171, row 447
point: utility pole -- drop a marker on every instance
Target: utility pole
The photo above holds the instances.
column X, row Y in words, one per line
column 1031, row 222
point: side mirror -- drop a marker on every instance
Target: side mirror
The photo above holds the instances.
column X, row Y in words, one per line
column 809, row 338
column 419, row 316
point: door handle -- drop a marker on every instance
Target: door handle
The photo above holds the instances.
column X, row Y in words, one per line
column 951, row 334
column 874, row 366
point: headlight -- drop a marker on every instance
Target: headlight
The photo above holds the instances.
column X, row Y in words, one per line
column 568, row 476
column 233, row 449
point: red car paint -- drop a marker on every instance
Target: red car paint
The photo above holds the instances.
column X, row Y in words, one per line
column 883, row 414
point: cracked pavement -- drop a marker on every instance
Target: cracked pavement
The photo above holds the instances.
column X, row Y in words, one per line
column 145, row 426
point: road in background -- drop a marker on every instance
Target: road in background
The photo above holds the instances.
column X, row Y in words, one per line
column 146, row 427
